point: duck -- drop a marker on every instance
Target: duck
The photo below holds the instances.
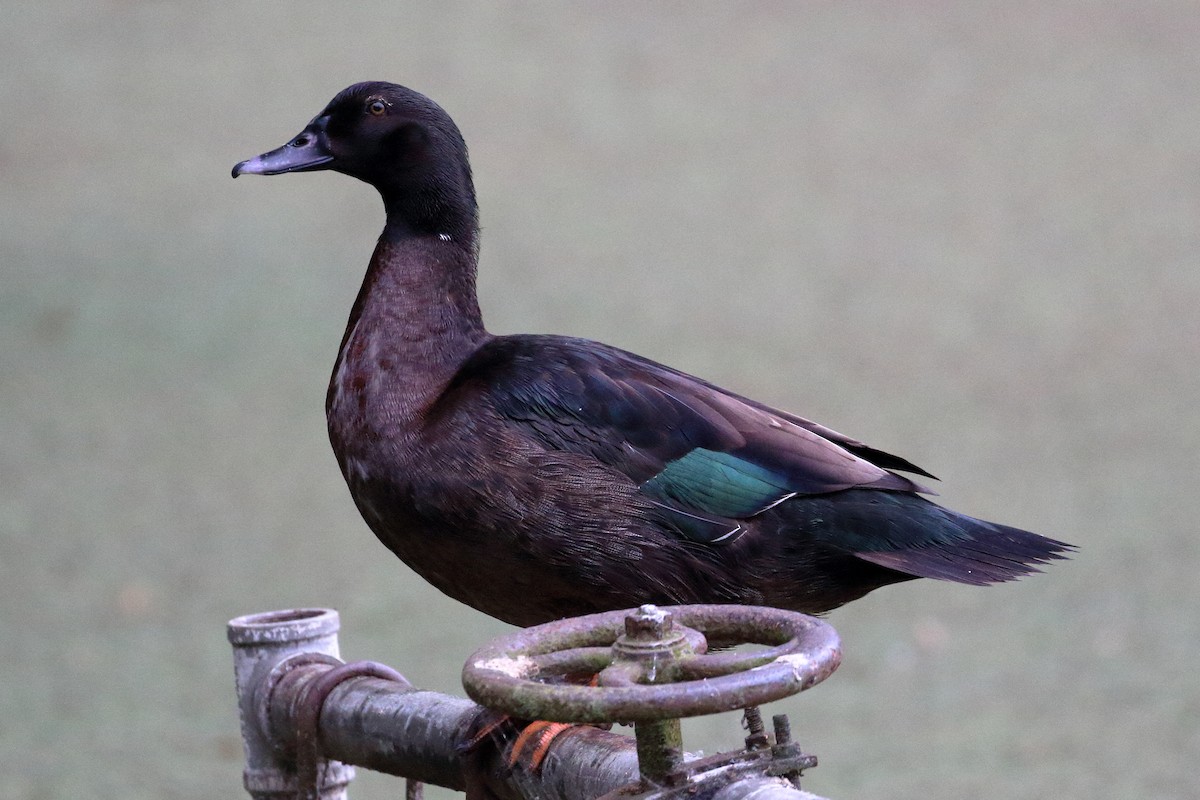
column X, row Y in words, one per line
column 535, row 477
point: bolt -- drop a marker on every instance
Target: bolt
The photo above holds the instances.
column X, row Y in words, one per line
column 752, row 721
column 783, row 729
column 785, row 748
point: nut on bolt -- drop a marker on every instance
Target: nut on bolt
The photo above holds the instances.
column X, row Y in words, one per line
column 651, row 637
column 648, row 623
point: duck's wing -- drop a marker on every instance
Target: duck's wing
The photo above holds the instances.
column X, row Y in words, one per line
column 707, row 457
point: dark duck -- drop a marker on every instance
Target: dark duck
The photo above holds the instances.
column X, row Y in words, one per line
column 536, row 477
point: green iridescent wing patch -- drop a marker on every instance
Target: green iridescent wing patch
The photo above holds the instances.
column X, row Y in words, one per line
column 719, row 483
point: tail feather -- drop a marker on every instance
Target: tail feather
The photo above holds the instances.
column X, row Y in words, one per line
column 909, row 534
column 986, row 553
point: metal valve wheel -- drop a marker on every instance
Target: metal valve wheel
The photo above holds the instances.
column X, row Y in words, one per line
column 652, row 663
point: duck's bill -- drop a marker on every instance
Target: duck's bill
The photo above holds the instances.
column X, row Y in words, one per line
column 307, row 151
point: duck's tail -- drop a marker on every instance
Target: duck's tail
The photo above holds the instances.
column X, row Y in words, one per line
column 914, row 536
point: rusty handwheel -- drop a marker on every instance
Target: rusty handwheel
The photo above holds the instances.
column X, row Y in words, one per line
column 652, row 663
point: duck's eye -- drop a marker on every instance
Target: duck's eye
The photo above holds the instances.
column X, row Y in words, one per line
column 377, row 108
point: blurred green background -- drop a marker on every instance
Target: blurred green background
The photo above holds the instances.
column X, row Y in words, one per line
column 966, row 233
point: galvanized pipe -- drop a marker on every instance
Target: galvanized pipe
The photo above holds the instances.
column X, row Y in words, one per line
column 387, row 726
column 261, row 644
column 763, row 789
column 426, row 736
column 422, row 735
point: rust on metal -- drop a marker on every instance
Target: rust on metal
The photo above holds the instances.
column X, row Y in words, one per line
column 308, row 715
column 649, row 679
column 296, row 696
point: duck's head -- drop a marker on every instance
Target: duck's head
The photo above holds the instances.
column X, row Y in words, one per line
column 395, row 139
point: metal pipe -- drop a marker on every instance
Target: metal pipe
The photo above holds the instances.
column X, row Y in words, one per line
column 261, row 644
column 763, row 789
column 387, row 726
column 427, row 736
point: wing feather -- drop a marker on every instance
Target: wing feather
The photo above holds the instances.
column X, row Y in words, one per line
column 706, row 456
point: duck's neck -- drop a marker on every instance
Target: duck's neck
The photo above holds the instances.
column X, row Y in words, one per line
column 415, row 320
